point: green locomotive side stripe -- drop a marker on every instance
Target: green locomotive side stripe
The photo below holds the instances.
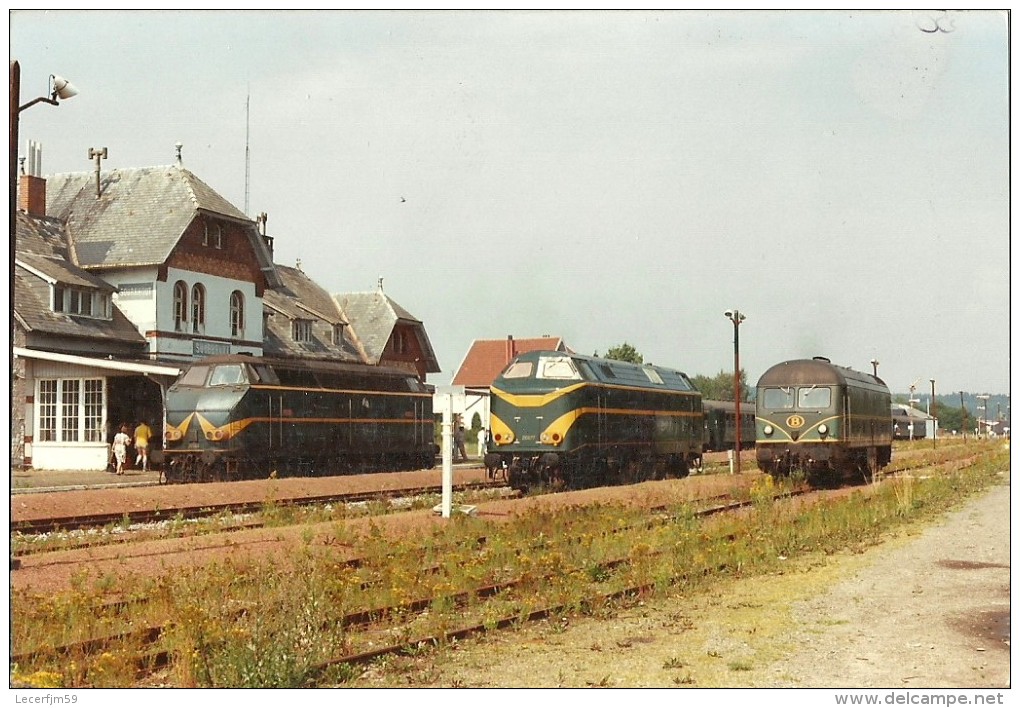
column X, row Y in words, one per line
column 630, row 411
column 234, row 427
column 537, row 400
column 352, row 392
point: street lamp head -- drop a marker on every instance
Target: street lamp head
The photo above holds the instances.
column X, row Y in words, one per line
column 61, row 88
column 735, row 316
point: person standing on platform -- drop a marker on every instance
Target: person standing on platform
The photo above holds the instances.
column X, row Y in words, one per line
column 483, row 437
column 143, row 433
column 120, row 445
column 458, row 445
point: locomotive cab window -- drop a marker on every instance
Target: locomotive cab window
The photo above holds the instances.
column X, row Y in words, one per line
column 228, row 375
column 778, row 398
column 814, row 397
column 519, row 370
column 265, row 375
column 559, row 367
column 195, row 376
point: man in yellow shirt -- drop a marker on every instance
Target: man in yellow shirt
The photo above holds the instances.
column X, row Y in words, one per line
column 142, row 434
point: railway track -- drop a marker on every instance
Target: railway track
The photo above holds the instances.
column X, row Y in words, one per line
column 375, row 626
column 87, row 521
column 391, row 629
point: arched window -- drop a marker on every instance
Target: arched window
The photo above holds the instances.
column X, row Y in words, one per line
column 198, row 309
column 180, row 305
column 236, row 314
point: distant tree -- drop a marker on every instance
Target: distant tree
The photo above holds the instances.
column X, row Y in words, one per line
column 624, row 352
column 720, row 386
column 954, row 418
column 476, row 422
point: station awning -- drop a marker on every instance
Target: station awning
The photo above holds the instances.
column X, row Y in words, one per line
column 136, row 367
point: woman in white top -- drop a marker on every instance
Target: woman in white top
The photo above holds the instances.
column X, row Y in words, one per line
column 120, row 445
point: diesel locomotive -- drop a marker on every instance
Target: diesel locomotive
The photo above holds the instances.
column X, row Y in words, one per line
column 579, row 421
column 235, row 416
column 829, row 421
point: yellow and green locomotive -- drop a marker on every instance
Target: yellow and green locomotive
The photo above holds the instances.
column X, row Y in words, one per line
column 559, row 418
column 235, row 416
column 828, row 421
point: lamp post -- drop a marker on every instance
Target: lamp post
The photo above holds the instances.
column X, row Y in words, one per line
column 934, row 419
column 983, row 403
column 58, row 88
column 736, row 317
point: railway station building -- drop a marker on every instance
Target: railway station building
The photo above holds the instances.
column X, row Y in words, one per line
column 122, row 277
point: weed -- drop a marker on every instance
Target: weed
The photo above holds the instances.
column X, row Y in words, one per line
column 241, row 623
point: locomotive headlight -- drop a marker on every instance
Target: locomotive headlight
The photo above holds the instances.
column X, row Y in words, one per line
column 768, row 430
column 823, row 430
column 501, row 433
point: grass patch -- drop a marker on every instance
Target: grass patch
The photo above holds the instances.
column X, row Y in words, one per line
column 251, row 624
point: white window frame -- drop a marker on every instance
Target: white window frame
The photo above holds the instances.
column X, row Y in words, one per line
column 180, row 306
column 82, row 302
column 198, row 308
column 70, row 410
column 237, row 314
column 301, row 330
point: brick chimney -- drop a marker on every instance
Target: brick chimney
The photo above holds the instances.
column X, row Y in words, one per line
column 32, row 195
column 510, row 348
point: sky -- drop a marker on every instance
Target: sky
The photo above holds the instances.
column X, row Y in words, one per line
column 839, row 177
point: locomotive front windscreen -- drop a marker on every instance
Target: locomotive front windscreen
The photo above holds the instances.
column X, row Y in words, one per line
column 805, row 396
column 557, row 367
column 548, row 367
column 778, row 398
column 814, row 397
column 228, row 375
column 195, row 376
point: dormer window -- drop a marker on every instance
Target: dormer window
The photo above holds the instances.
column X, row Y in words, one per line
column 400, row 342
column 302, row 330
column 213, row 235
column 82, row 302
column 338, row 334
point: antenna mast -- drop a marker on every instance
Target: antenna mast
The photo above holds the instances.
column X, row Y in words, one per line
column 247, row 149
